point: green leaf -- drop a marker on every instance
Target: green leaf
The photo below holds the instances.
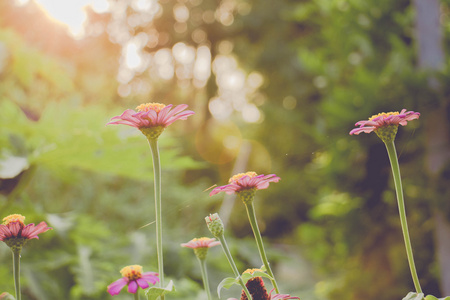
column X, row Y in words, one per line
column 227, row 283
column 414, row 296
column 431, row 297
column 154, row 292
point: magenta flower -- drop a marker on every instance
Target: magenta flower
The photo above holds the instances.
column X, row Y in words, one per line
column 152, row 118
column 14, row 228
column 385, row 125
column 134, row 278
column 246, row 181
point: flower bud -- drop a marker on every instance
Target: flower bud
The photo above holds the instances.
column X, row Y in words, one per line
column 215, row 225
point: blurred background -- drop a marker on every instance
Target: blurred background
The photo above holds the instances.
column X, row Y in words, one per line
column 276, row 86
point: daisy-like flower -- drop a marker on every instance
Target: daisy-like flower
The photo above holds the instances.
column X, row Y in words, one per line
column 152, row 118
column 246, row 184
column 201, row 246
column 385, row 125
column 134, row 278
column 15, row 233
column 257, row 289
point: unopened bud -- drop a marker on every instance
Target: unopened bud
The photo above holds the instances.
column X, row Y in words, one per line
column 215, row 225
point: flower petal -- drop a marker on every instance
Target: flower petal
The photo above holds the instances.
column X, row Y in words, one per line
column 132, row 286
column 151, row 277
column 115, row 287
column 142, row 283
column 31, row 232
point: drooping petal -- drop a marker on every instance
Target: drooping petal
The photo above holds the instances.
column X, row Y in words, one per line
column 132, row 287
column 115, row 287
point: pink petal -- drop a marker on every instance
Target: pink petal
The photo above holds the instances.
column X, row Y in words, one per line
column 151, row 277
column 163, row 113
column 4, row 232
column 362, row 129
column 132, row 287
column 262, row 185
column 142, row 283
column 15, row 228
column 31, row 232
column 115, row 287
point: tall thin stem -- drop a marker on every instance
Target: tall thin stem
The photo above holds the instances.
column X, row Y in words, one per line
column 390, row 146
column 157, row 183
column 225, row 248
column 205, row 277
column 252, row 218
column 136, row 295
column 16, row 272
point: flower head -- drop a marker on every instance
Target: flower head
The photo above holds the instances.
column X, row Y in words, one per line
column 201, row 246
column 15, row 233
column 134, row 278
column 215, row 225
column 152, row 118
column 246, row 184
column 257, row 289
column 385, row 125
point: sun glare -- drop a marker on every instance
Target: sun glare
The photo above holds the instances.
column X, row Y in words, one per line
column 70, row 12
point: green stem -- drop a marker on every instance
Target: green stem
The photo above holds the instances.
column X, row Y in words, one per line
column 252, row 218
column 136, row 295
column 205, row 277
column 390, row 146
column 225, row 248
column 16, row 272
column 157, row 183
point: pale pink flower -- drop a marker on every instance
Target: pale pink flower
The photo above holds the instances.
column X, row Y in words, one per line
column 385, row 119
column 134, row 278
column 152, row 115
column 14, row 227
column 203, row 242
column 246, row 181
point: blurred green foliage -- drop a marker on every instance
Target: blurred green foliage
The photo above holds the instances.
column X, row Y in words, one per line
column 330, row 225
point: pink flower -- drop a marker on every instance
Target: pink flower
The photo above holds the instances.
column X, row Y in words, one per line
column 203, row 242
column 246, row 181
column 152, row 115
column 201, row 246
column 257, row 289
column 14, row 227
column 134, row 278
column 384, row 120
column 281, row 296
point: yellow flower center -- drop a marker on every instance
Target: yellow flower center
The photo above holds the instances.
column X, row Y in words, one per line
column 384, row 115
column 132, row 272
column 201, row 239
column 251, row 271
column 13, row 218
column 240, row 175
column 151, row 106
